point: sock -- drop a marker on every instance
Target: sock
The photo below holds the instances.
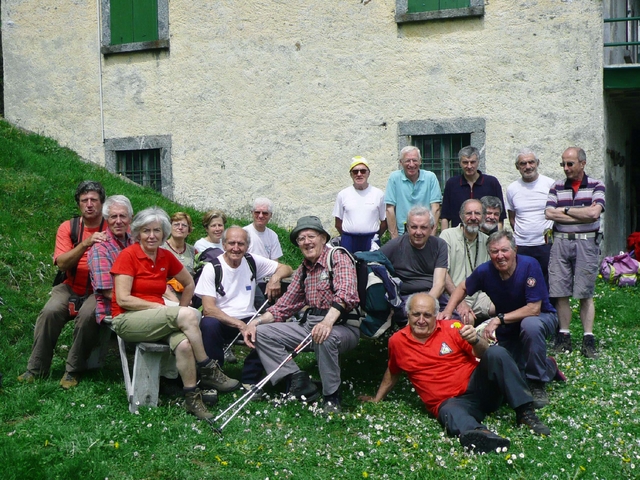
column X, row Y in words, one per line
column 189, row 389
column 204, row 362
column 588, row 333
column 563, row 330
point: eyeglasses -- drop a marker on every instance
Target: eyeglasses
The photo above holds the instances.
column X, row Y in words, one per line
column 180, row 225
column 568, row 164
column 359, row 171
column 258, row 213
column 301, row 240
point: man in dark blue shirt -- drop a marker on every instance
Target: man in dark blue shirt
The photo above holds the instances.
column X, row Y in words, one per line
column 525, row 317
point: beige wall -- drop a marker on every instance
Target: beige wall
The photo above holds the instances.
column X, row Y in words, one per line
column 274, row 98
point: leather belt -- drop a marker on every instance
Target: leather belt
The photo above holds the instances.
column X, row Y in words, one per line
column 575, row 236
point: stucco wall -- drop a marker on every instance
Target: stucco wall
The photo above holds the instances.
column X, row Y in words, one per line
column 273, row 98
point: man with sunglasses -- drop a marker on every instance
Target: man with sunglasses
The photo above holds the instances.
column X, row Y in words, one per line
column 264, row 241
column 575, row 204
column 360, row 211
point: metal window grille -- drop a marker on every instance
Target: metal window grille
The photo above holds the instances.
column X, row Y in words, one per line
column 440, row 153
column 141, row 166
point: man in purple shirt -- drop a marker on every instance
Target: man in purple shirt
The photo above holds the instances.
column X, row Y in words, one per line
column 471, row 184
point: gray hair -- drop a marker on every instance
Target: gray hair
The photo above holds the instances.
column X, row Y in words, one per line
column 147, row 216
column 526, row 151
column 263, row 201
column 464, row 204
column 499, row 235
column 407, row 149
column 468, row 152
column 436, row 303
column 116, row 200
column 582, row 156
column 421, row 211
column 224, row 234
column 491, row 202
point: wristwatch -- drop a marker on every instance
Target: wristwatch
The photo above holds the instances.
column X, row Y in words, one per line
column 566, row 210
column 501, row 318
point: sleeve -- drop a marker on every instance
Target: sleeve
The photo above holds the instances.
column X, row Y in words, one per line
column 125, row 263
column 264, row 266
column 292, row 300
column 338, row 209
column 434, row 189
column 552, row 199
column 206, row 285
column 98, row 262
column 442, row 260
column 390, row 191
column 535, row 286
column 498, row 193
column 598, row 194
column 393, row 359
column 473, row 281
column 446, row 201
column 345, row 282
column 382, row 208
column 508, row 200
column 276, row 250
column 63, row 240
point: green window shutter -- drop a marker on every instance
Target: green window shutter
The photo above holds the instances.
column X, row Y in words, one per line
column 415, row 6
column 133, row 21
column 121, row 15
column 145, row 20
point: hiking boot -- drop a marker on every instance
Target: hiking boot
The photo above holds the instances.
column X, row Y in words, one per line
column 69, row 380
column 27, row 377
column 539, row 393
column 482, row 440
column 331, row 405
column 193, row 404
column 589, row 347
column 527, row 416
column 209, row 397
column 211, row 376
column 563, row 343
column 559, row 376
column 229, row 357
column 302, row 388
column 258, row 394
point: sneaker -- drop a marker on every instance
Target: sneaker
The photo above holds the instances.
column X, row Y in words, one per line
column 209, row 397
column 482, row 440
column 539, row 393
column 193, row 404
column 559, row 376
column 211, row 376
column 258, row 394
column 529, row 418
column 27, row 377
column 589, row 347
column 563, row 343
column 302, row 388
column 229, row 357
column 69, row 380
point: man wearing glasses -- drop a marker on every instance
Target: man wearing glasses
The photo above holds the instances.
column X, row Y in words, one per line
column 360, row 210
column 575, row 205
column 264, row 241
column 329, row 297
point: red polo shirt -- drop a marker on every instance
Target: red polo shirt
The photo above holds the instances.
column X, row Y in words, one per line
column 439, row 369
column 149, row 279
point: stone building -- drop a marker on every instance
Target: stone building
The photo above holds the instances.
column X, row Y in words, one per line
column 218, row 101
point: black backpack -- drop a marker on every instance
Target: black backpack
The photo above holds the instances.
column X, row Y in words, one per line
column 211, row 255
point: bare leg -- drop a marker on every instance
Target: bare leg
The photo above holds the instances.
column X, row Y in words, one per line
column 186, row 364
column 587, row 314
column 188, row 323
column 564, row 312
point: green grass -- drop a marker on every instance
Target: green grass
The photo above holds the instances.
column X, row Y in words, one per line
column 89, row 433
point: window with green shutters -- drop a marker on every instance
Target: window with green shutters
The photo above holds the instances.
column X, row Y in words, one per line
column 415, row 6
column 133, row 21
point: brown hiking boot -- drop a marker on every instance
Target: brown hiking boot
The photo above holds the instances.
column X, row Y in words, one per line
column 194, row 405
column 211, row 376
column 27, row 377
column 69, row 380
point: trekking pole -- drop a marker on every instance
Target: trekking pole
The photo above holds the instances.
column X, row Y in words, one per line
column 250, row 394
column 250, row 320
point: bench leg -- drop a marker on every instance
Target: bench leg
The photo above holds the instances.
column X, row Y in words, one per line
column 146, row 379
column 99, row 352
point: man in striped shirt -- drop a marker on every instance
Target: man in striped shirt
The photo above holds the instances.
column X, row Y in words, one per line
column 575, row 205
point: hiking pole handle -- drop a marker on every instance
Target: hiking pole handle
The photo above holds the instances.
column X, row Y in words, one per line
column 255, row 315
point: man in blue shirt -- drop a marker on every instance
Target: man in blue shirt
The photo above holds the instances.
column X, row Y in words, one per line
column 408, row 188
column 525, row 317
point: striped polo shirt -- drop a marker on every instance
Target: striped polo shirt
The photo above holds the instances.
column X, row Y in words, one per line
column 561, row 195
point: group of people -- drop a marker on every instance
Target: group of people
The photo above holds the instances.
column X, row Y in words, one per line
column 138, row 273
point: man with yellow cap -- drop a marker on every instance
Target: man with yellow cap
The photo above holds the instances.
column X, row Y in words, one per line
column 360, row 210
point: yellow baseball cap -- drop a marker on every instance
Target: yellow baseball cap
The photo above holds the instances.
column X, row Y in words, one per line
column 357, row 160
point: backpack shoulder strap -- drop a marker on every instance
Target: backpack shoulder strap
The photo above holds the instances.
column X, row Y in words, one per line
column 217, row 268
column 330, row 261
column 252, row 265
column 77, row 230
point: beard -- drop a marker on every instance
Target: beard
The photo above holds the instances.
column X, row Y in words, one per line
column 471, row 228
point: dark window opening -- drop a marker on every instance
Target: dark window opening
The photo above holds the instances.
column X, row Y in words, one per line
column 141, row 167
column 440, row 153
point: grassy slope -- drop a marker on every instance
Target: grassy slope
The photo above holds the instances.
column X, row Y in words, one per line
column 88, row 432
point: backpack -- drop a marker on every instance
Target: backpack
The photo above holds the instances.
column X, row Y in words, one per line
column 211, row 255
column 621, row 270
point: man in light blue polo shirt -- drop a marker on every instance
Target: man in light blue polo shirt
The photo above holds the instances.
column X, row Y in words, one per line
column 409, row 187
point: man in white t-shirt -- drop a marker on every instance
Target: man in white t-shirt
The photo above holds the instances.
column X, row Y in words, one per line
column 228, row 306
column 360, row 211
column 526, row 200
column 264, row 241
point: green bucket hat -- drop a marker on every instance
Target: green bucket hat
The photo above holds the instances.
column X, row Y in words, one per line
column 309, row 222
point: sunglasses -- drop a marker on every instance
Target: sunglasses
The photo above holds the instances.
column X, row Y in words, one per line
column 361, row 171
column 568, row 164
column 258, row 212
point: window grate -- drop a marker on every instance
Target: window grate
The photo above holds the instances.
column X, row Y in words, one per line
column 440, row 153
column 141, row 167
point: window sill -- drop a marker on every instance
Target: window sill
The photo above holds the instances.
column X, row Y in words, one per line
column 135, row 47
column 476, row 9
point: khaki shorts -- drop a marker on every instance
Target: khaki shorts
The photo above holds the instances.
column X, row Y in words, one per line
column 152, row 325
column 573, row 268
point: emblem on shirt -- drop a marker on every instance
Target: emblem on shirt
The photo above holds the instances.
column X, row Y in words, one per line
column 445, row 349
column 324, row 276
column 247, row 288
column 531, row 282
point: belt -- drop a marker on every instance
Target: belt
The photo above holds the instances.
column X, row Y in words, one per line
column 575, row 236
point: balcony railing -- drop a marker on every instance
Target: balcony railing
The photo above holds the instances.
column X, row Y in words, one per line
column 630, row 36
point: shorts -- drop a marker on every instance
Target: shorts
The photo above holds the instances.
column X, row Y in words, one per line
column 573, row 268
